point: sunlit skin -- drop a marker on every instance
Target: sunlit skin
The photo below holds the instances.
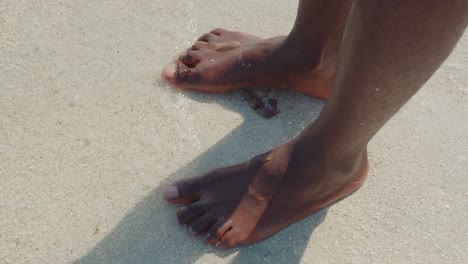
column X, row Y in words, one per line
column 367, row 57
column 248, row 61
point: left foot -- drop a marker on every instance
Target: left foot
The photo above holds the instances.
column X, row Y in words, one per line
column 249, row 202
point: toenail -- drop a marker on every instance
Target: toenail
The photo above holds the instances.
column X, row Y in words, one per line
column 169, row 72
column 171, row 193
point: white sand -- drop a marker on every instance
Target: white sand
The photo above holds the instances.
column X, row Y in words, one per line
column 89, row 137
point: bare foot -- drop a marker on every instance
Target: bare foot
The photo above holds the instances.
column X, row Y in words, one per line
column 222, row 61
column 249, row 202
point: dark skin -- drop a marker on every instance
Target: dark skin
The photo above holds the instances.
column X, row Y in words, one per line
column 304, row 61
column 389, row 50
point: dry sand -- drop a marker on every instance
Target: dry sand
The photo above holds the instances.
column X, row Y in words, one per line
column 89, row 137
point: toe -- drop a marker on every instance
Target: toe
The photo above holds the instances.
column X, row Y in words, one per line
column 234, row 237
column 182, row 193
column 171, row 193
column 190, row 58
column 208, row 37
column 227, row 240
column 217, row 231
column 181, row 76
column 218, row 31
column 200, row 45
column 202, row 224
column 190, row 213
column 169, row 73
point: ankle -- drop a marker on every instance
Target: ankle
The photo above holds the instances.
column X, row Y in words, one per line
column 294, row 54
column 308, row 151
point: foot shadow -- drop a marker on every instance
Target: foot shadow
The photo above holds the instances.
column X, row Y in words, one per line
column 150, row 233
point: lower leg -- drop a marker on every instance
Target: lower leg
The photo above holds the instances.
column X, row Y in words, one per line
column 390, row 49
column 304, row 61
column 316, row 35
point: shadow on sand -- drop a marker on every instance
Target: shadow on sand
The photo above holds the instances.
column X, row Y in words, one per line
column 149, row 233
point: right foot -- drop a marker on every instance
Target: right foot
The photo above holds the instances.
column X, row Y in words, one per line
column 249, row 202
column 224, row 61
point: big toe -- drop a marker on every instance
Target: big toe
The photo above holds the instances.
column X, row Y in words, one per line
column 169, row 74
column 181, row 76
column 171, row 193
column 182, row 193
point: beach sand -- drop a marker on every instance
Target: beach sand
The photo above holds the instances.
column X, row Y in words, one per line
column 90, row 136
